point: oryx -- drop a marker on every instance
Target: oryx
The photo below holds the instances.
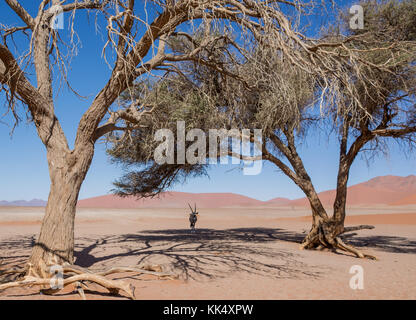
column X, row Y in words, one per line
column 193, row 217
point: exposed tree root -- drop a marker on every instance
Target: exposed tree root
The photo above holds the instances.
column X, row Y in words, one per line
column 353, row 250
column 80, row 276
column 80, row 289
column 322, row 237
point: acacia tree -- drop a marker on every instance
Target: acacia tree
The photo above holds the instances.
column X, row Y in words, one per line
column 138, row 47
column 364, row 108
column 389, row 109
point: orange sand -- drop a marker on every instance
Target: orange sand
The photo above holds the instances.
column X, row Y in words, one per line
column 238, row 253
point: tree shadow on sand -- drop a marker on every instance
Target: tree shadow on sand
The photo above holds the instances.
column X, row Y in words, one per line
column 14, row 253
column 208, row 253
column 391, row 244
column 216, row 253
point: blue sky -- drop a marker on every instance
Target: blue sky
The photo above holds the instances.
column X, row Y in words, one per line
column 24, row 172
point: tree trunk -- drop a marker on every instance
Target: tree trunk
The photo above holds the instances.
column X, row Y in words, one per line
column 55, row 244
column 323, row 234
column 342, row 189
column 325, row 231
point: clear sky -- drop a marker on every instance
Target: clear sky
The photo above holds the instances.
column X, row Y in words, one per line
column 24, row 172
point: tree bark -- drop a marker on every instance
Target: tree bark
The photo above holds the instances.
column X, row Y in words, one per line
column 55, row 244
column 341, row 195
column 325, row 229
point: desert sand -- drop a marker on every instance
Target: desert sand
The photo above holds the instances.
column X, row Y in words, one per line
column 236, row 253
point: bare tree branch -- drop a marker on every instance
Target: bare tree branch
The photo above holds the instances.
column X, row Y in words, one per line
column 21, row 12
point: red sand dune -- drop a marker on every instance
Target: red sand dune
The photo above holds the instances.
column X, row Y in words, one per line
column 378, row 191
column 381, row 190
column 405, row 201
column 278, row 202
column 172, row 200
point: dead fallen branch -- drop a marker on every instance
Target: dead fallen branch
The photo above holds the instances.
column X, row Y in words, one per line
column 80, row 276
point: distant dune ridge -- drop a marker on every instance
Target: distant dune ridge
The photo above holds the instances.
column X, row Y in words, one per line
column 23, row 203
column 386, row 190
column 172, row 200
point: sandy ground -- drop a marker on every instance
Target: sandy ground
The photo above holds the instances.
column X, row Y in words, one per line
column 236, row 253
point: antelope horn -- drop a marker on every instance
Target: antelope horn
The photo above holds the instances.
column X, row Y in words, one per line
column 190, row 207
column 195, row 207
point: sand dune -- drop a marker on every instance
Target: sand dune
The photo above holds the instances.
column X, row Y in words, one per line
column 387, row 190
column 278, row 202
column 357, row 195
column 405, row 201
column 172, row 200
column 381, row 190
